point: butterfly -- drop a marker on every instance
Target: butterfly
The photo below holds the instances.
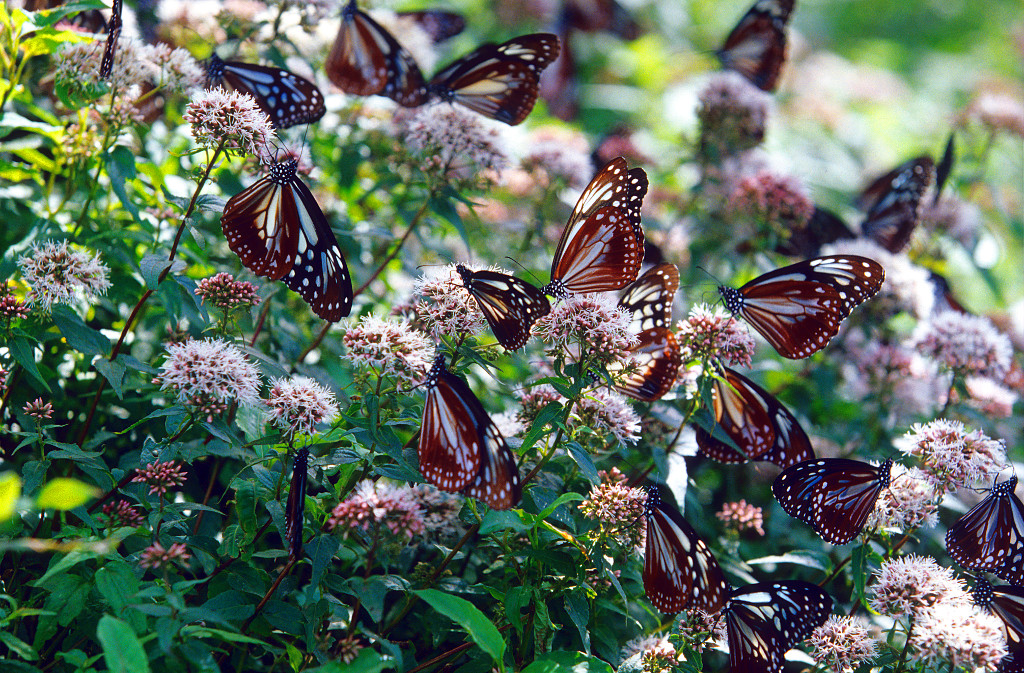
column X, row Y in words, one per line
column 113, row 34
column 591, row 16
column 649, row 301
column 296, row 507
column 510, row 305
column 764, row 621
column 679, row 569
column 460, row 447
column 278, row 231
column 798, row 308
column 756, row 47
column 756, row 422
column 835, row 496
column 438, row 24
column 824, row 227
column 602, row 245
column 286, row 98
column 892, row 203
column 991, row 535
column 1007, row 603
column 945, row 166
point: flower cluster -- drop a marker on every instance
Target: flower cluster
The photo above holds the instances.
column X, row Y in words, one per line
column 39, row 410
column 443, row 306
column 455, row 145
column 959, row 636
column 656, row 653
column 910, row 502
column 121, row 514
column 712, row 334
column 155, row 556
column 231, row 120
column 698, row 630
column 298, row 404
column 614, row 503
column 208, row 375
column 390, row 347
column 607, row 414
column 966, row 344
column 560, row 157
column 842, row 644
column 588, row 323
column 741, row 516
column 11, row 308
column 910, row 585
column 224, row 292
column 776, row 204
column 373, row 505
column 57, row 273
column 998, row 111
column 732, row 115
column 161, row 477
column 951, row 454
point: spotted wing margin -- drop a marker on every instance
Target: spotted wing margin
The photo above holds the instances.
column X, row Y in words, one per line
column 319, row 273
column 1007, row 603
column 366, row 60
column 286, row 98
column 658, row 357
column 451, row 441
column 990, row 535
column 258, row 223
column 498, row 482
column 756, row 47
column 679, row 569
column 614, row 185
column 893, row 203
column 510, row 305
column 601, row 256
column 742, row 410
column 649, row 298
column 764, row 621
column 296, row 506
column 113, row 35
column 834, row 496
column 791, row 445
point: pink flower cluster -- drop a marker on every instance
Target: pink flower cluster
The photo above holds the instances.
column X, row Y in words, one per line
column 57, row 273
column 444, row 307
column 712, row 334
column 11, row 307
column 155, row 556
column 588, row 323
column 842, row 644
column 954, row 456
column 232, row 118
column 376, row 505
column 39, row 410
column 456, row 145
column 223, row 291
column 614, row 503
column 120, row 514
column 390, row 347
column 910, row 502
column 777, row 202
column 209, row 375
column 298, row 404
column 732, row 116
column 742, row 516
column 964, row 343
column 161, row 477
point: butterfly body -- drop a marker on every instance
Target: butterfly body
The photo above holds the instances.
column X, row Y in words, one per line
column 286, row 98
column 278, row 231
column 510, row 305
column 113, row 35
column 835, row 496
column 756, row 47
column 991, row 535
column 799, row 308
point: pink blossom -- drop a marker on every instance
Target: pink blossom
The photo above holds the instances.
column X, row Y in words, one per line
column 713, row 334
column 298, row 404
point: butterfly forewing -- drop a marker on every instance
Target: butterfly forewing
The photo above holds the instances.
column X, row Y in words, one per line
column 649, row 298
column 764, row 621
column 756, row 47
column 679, row 569
column 296, row 506
column 498, row 81
column 742, row 410
column 510, row 305
column 1007, row 603
column 834, row 496
column 498, row 482
column 286, row 98
column 892, row 203
column 366, row 60
column 991, row 535
column 113, row 35
column 278, row 231
column 657, row 360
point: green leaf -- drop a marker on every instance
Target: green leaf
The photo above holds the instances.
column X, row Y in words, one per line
column 559, row 501
column 120, row 163
column 18, row 646
column 247, row 507
column 806, row 560
column 121, row 648
column 10, row 491
column 65, row 493
column 469, row 617
column 578, row 607
column 117, row 584
column 113, row 372
column 196, row 631
column 567, row 662
column 79, row 336
column 367, row 661
column 152, row 266
column 24, row 352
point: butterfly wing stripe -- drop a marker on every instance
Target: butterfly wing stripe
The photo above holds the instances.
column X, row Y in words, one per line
column 449, row 448
column 498, row 482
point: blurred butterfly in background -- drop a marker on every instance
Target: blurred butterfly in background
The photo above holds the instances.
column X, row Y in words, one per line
column 679, row 569
column 1007, row 603
column 799, row 308
column 649, row 301
column 764, row 621
column 991, row 535
column 592, row 16
column 438, row 24
column 510, row 305
column 286, row 98
column 113, row 35
column 602, row 245
column 497, row 81
column 296, row 506
column 892, row 203
column 756, row 47
column 460, row 447
column 755, row 421
column 834, row 496
column 279, row 232
column 559, row 84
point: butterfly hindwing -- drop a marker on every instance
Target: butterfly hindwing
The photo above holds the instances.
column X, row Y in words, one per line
column 756, row 47
column 510, row 305
column 296, row 506
column 284, row 96
column 892, row 203
column 991, row 535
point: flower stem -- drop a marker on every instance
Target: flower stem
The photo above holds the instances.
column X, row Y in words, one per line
column 398, row 247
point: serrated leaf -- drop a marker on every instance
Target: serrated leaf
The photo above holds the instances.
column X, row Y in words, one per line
column 583, row 460
column 113, row 372
column 10, row 491
column 79, row 336
column 469, row 617
column 121, row 648
column 65, row 493
column 152, row 266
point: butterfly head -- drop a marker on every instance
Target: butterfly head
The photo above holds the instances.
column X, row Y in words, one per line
column 1004, row 489
column 885, row 473
column 214, row 70
column 556, row 289
column 464, row 273
column 653, row 500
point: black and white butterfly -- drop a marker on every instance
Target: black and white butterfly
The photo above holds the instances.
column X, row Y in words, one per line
column 799, row 308
column 991, row 535
column 892, row 203
column 510, row 305
column 835, row 496
column 113, row 35
column 756, row 47
column 286, row 98
column 296, row 506
column 649, row 301
column 278, row 231
column 764, row 621
column 1007, row 603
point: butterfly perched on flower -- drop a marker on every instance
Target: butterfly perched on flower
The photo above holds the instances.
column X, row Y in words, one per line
column 834, row 496
column 278, row 231
column 798, row 308
column 756, row 47
column 602, row 245
column 991, row 535
column 113, row 35
column 755, row 421
column 296, row 506
column 679, row 569
column 649, row 301
column 286, row 98
column 892, row 203
column 510, row 305
column 497, row 81
column 1007, row 603
column 764, row 621
column 460, row 448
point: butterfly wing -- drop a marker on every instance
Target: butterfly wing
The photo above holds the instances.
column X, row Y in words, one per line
column 742, row 410
column 296, row 506
column 756, row 47
column 498, row 482
column 366, row 60
column 510, row 305
column 649, row 298
column 113, row 35
column 1007, row 603
column 451, row 441
column 591, row 16
column 764, row 621
column 991, row 533
column 658, row 358
column 438, row 24
column 824, row 227
column 892, row 203
column 602, row 255
column 679, row 569
column 277, row 229
column 498, row 81
column 799, row 308
column 835, row 496
column 286, row 98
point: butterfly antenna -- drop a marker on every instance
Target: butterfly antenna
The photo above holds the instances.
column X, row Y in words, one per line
column 530, row 273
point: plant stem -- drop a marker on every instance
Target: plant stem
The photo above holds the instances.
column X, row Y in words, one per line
column 398, row 247
column 270, row 592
